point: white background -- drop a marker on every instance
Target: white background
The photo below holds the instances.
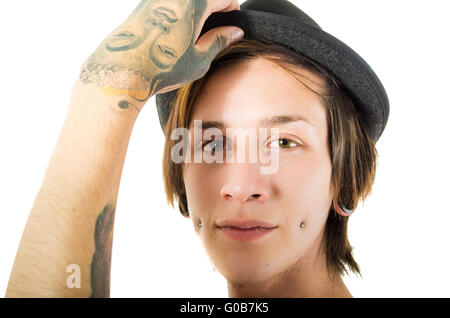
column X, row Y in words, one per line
column 400, row 234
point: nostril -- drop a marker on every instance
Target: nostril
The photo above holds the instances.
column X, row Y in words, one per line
column 242, row 196
column 260, row 197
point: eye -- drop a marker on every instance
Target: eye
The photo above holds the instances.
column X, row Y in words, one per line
column 215, row 145
column 284, row 143
column 167, row 52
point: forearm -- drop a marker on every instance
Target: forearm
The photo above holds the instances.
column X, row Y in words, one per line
column 138, row 59
column 65, row 225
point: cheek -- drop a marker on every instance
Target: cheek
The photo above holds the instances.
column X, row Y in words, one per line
column 202, row 188
column 302, row 192
column 302, row 185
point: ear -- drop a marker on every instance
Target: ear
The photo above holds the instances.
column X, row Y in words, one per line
column 338, row 209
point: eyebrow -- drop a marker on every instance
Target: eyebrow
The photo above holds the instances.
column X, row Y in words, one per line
column 166, row 13
column 284, row 119
column 276, row 120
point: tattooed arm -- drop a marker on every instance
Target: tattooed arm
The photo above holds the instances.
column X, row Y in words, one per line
column 65, row 250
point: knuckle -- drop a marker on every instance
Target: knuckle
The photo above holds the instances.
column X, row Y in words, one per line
column 220, row 42
column 202, row 67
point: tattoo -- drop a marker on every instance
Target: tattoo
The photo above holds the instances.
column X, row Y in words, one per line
column 113, row 75
column 101, row 262
column 154, row 49
column 116, row 79
column 124, row 104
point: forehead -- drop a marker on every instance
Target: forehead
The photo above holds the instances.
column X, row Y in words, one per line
column 242, row 93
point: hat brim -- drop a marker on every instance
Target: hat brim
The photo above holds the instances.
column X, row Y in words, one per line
column 358, row 78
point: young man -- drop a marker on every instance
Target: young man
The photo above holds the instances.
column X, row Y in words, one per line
column 156, row 50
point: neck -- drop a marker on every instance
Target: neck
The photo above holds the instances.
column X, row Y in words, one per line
column 290, row 285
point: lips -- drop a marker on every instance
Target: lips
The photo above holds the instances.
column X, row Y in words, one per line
column 245, row 224
column 125, row 34
column 122, row 41
column 243, row 235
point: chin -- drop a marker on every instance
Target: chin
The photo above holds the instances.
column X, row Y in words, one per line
column 246, row 274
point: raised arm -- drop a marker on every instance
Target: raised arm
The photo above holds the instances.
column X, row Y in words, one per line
column 65, row 249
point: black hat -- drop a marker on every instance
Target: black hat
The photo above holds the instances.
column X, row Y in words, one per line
column 282, row 22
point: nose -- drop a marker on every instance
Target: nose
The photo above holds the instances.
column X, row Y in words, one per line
column 245, row 183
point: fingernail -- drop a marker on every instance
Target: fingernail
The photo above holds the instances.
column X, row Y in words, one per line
column 237, row 35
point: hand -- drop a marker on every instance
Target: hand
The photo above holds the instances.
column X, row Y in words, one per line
column 141, row 57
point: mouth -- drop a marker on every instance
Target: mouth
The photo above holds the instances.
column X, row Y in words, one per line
column 245, row 224
column 125, row 35
column 122, row 41
column 247, row 228
column 245, row 234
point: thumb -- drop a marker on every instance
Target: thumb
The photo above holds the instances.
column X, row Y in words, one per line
column 215, row 40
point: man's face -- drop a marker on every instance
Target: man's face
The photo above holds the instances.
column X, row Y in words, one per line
column 258, row 94
column 163, row 28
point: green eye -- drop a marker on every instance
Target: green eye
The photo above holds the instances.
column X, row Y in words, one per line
column 283, row 143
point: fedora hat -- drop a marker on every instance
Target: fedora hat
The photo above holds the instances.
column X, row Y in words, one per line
column 282, row 22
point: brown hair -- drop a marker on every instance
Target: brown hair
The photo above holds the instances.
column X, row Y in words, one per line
column 353, row 152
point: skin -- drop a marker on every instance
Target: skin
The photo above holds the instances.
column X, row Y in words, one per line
column 287, row 262
column 161, row 23
column 149, row 43
column 72, row 218
column 157, row 48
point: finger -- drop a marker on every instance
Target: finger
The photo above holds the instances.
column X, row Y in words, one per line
column 215, row 40
column 216, row 6
column 223, row 5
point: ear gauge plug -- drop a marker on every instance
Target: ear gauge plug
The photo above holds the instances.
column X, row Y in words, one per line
column 342, row 210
